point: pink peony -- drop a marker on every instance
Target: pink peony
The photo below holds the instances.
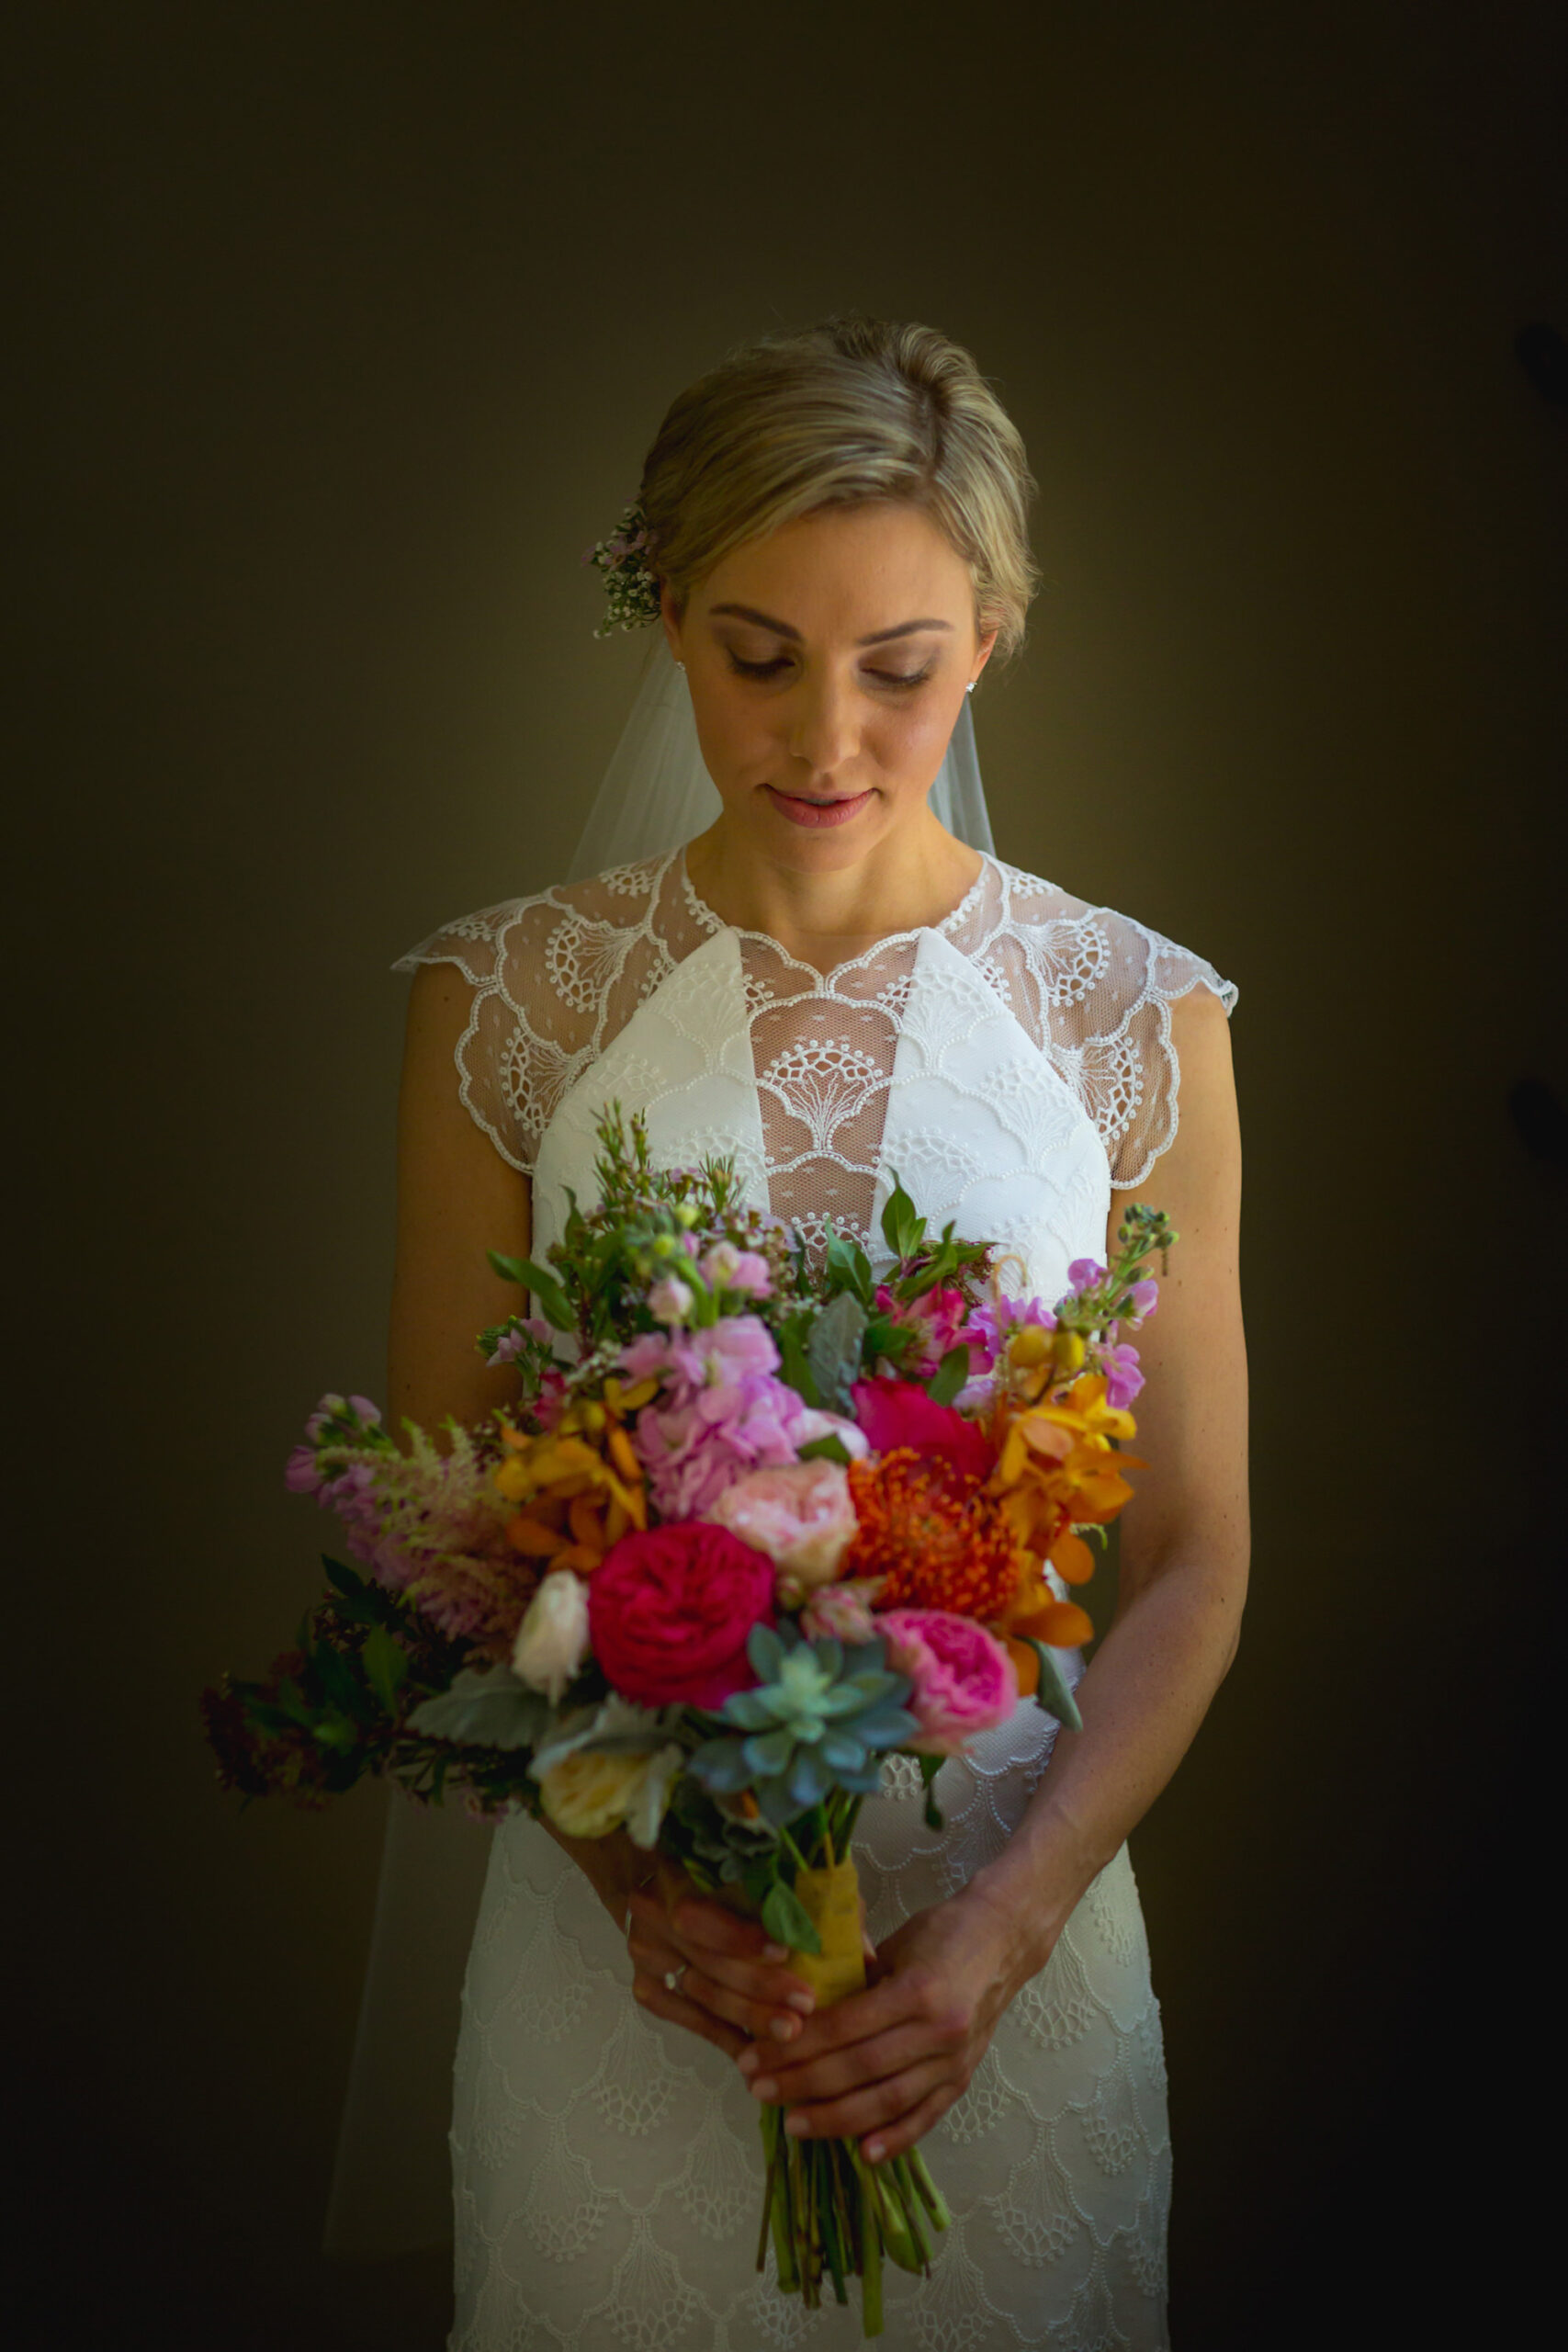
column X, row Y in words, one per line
column 964, row 1679
column 799, row 1514
column 670, row 1611
column 898, row 1412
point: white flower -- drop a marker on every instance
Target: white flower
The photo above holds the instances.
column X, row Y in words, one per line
column 670, row 1301
column 649, row 1797
column 552, row 1640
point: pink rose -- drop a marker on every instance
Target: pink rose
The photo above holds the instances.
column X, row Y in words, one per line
column 899, row 1412
column 964, row 1679
column 668, row 1613
column 799, row 1514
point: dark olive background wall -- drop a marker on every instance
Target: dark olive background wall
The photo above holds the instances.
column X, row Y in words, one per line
column 346, row 329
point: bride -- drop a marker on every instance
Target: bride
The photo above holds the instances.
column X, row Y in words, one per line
column 834, row 986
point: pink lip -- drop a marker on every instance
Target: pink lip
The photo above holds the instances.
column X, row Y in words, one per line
column 816, row 812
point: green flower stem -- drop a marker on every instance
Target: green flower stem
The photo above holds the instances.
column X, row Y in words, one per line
column 931, row 2195
column 870, row 2266
column 914, row 2211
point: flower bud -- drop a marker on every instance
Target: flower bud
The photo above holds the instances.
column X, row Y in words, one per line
column 552, row 1640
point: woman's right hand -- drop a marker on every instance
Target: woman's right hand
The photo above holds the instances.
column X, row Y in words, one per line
column 731, row 1985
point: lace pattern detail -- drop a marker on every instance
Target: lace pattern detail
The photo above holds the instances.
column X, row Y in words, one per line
column 557, row 978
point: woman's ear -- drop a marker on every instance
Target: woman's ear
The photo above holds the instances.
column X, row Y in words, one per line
column 984, row 649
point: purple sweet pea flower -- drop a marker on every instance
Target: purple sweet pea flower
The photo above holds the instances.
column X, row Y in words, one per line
column 1123, row 1377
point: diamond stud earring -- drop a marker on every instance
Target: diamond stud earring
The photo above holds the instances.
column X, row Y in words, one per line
column 970, row 687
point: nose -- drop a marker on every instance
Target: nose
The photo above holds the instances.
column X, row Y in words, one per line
column 824, row 732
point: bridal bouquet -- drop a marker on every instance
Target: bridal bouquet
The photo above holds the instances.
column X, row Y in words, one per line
column 753, row 1526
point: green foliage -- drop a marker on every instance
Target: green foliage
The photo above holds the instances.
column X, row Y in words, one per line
column 833, row 1350
column 788, row 1919
column 486, row 1706
column 950, row 1375
column 1053, row 1692
column 929, row 1767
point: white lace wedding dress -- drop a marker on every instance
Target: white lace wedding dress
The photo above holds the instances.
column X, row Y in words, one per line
column 1011, row 1065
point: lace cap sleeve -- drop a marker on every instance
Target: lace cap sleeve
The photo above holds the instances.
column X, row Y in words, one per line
column 1096, row 989
column 552, row 976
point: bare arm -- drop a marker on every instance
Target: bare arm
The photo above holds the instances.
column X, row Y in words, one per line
column 885, row 2065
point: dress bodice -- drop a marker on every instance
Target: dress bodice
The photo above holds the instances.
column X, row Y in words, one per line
column 1010, row 1065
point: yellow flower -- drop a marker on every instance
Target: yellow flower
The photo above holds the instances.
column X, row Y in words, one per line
column 588, row 1795
column 580, row 1485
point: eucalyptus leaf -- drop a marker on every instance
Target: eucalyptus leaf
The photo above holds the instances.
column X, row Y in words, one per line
column 833, row 1351
column 1053, row 1693
column 788, row 1919
column 487, row 1706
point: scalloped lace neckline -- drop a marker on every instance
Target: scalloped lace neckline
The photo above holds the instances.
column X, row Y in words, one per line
column 702, row 913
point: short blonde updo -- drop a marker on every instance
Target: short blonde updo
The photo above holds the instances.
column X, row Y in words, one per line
column 851, row 409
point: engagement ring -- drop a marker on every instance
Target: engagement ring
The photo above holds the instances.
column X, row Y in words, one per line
column 672, row 1976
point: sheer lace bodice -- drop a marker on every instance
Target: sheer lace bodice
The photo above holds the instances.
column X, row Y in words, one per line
column 1013, row 1065
column 803, row 1075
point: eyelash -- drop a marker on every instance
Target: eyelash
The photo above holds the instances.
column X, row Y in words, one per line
column 769, row 669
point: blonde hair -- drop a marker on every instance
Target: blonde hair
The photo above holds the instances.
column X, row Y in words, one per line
column 851, row 409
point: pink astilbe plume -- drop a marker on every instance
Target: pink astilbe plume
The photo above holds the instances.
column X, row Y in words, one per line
column 432, row 1526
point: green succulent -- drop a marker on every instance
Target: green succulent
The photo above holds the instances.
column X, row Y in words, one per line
column 819, row 1718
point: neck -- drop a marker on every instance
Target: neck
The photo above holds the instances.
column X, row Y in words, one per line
column 910, row 879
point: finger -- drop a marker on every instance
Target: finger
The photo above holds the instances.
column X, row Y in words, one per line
column 658, row 1956
column 654, row 1994
column 907, row 1996
column 876, row 2109
column 712, row 1928
column 783, row 2079
column 897, row 2139
column 773, row 1990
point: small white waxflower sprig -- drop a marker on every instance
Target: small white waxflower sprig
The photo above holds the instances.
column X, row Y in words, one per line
column 630, row 583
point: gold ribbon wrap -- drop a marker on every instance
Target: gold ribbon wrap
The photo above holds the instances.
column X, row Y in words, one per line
column 831, row 1900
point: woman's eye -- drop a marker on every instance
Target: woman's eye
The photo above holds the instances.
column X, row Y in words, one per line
column 901, row 678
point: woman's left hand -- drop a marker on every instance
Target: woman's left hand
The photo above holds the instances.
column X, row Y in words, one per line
column 882, row 2066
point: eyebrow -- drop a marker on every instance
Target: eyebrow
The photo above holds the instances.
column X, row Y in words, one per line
column 782, row 629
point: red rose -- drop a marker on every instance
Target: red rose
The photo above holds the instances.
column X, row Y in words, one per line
column 668, row 1613
column 898, row 1412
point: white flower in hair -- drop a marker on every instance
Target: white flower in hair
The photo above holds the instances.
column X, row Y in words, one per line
column 631, row 585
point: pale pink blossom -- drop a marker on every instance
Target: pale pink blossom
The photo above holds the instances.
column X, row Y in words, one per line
column 727, row 1268
column 842, row 1612
column 799, row 1513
